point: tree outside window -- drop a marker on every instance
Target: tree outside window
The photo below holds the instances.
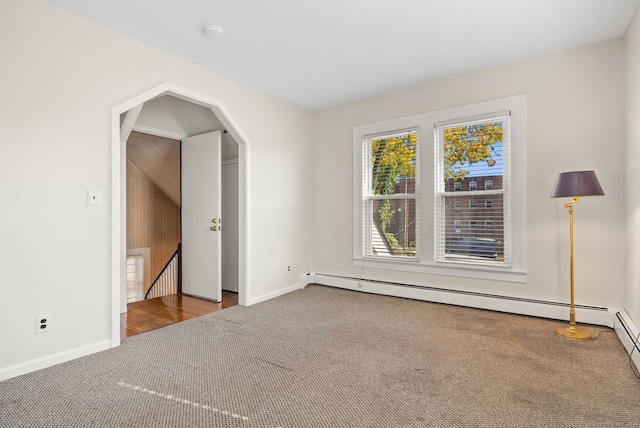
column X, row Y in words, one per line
column 393, row 195
column 483, row 143
column 473, row 152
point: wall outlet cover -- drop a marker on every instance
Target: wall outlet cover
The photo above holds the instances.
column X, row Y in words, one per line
column 43, row 323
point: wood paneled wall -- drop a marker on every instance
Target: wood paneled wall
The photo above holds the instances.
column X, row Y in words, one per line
column 153, row 220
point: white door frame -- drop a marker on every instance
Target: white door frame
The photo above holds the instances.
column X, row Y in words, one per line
column 118, row 191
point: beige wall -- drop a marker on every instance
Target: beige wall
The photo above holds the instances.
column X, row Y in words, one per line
column 574, row 121
column 57, row 92
column 153, row 221
column 632, row 156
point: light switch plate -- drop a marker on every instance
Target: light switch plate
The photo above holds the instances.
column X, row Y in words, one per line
column 93, row 197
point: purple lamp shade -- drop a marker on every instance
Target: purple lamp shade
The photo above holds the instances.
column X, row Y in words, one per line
column 577, row 183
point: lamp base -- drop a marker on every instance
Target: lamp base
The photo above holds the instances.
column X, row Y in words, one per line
column 572, row 333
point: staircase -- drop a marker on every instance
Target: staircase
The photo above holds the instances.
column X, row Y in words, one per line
column 168, row 280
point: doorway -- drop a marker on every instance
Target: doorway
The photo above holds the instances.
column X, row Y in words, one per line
column 124, row 118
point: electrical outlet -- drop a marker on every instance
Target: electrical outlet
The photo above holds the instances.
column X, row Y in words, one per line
column 288, row 268
column 43, row 323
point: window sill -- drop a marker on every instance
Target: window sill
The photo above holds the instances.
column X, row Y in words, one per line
column 494, row 273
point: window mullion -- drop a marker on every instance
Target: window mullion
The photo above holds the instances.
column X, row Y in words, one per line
column 471, row 193
column 394, row 197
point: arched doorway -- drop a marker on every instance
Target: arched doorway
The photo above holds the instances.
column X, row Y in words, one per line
column 123, row 118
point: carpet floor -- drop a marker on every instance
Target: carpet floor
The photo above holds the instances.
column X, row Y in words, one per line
column 326, row 357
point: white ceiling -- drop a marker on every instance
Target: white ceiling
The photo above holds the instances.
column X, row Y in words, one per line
column 173, row 118
column 316, row 54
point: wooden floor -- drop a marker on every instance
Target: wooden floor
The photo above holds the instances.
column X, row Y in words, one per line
column 151, row 314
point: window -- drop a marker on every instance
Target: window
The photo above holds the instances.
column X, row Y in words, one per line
column 399, row 226
column 390, row 198
column 474, row 148
column 138, row 272
column 135, row 276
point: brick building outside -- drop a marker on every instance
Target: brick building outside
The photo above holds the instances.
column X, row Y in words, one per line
column 474, row 223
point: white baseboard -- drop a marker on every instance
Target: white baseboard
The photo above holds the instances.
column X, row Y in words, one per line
column 538, row 308
column 628, row 333
column 52, row 360
column 616, row 318
column 306, row 279
column 274, row 294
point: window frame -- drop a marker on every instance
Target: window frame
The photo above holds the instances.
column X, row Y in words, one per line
column 424, row 124
column 145, row 253
column 367, row 198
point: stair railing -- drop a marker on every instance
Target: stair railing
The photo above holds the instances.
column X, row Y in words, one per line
column 168, row 280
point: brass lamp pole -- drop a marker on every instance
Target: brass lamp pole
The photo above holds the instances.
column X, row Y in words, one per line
column 574, row 184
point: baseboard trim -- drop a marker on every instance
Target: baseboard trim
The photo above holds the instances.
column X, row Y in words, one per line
column 618, row 319
column 52, row 360
column 277, row 293
column 538, row 308
column 628, row 333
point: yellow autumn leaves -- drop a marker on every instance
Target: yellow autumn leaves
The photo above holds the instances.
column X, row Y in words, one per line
column 468, row 145
column 395, row 156
column 391, row 158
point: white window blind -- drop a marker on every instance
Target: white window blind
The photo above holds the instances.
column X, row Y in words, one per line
column 390, row 217
column 472, row 165
column 495, row 247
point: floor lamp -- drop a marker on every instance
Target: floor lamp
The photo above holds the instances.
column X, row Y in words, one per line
column 573, row 185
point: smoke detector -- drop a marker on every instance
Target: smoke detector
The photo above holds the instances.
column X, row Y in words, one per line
column 213, row 31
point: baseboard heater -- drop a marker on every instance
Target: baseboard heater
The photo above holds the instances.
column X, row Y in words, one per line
column 627, row 337
column 523, row 306
column 614, row 318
